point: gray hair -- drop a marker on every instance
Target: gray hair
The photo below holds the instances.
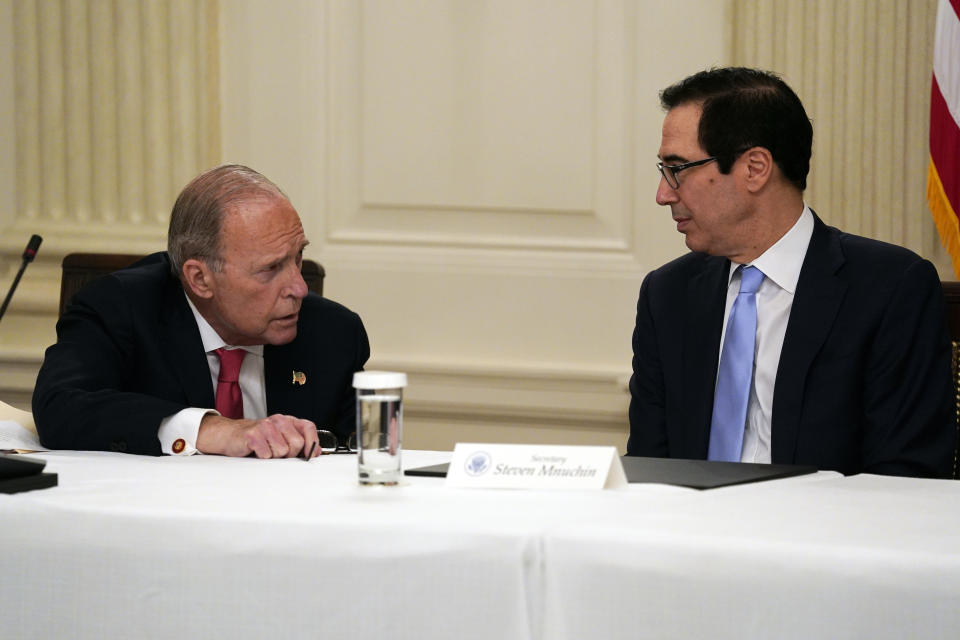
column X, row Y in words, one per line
column 198, row 213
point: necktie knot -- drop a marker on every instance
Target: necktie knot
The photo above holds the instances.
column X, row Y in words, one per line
column 750, row 279
column 230, row 362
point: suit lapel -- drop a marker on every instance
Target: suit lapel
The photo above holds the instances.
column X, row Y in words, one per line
column 286, row 379
column 815, row 305
column 185, row 354
column 703, row 322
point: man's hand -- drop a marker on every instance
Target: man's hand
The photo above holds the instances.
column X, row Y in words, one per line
column 276, row 436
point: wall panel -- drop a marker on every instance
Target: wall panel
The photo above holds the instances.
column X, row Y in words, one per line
column 491, row 207
column 110, row 110
column 863, row 72
column 109, row 116
column 479, row 124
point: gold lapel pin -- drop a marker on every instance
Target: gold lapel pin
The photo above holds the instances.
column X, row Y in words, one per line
column 299, row 378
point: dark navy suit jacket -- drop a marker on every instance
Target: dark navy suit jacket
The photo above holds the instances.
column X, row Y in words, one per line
column 863, row 383
column 129, row 354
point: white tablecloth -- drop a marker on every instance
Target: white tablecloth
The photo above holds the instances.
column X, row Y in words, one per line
column 205, row 547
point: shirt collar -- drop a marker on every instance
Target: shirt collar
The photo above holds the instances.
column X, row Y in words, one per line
column 211, row 339
column 782, row 262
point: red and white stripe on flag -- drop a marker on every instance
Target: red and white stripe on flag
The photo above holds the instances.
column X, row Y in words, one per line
column 943, row 175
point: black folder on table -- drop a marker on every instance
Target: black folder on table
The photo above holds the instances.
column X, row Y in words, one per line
column 20, row 473
column 696, row 474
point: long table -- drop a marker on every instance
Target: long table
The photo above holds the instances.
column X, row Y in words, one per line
column 209, row 547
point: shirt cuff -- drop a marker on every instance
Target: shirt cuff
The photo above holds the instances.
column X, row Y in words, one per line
column 178, row 433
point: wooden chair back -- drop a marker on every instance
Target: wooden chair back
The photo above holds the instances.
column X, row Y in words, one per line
column 951, row 298
column 81, row 268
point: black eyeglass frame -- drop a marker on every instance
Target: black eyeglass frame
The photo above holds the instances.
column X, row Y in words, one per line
column 670, row 175
column 329, row 443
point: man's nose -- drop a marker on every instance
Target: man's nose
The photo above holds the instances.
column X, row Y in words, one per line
column 665, row 193
column 296, row 285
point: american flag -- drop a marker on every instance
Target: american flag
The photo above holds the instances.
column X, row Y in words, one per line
column 943, row 175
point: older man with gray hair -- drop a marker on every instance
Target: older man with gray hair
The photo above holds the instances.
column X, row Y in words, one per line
column 214, row 346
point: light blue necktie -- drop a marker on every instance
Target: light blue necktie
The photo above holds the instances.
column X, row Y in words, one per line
column 736, row 371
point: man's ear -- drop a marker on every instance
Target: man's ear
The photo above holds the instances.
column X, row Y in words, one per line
column 198, row 278
column 758, row 167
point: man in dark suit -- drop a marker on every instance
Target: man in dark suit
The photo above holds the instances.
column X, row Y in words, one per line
column 850, row 362
column 142, row 356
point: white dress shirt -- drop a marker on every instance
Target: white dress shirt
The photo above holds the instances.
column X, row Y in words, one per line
column 781, row 266
column 185, row 425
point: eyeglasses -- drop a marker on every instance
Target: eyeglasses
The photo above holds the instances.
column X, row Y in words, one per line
column 670, row 171
column 330, row 444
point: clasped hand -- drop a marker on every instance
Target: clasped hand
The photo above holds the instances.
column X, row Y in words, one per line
column 276, row 436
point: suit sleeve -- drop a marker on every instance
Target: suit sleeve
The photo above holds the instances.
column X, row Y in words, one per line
column 648, row 430
column 80, row 401
column 907, row 386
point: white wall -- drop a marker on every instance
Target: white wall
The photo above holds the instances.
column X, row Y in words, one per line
column 478, row 179
column 477, row 176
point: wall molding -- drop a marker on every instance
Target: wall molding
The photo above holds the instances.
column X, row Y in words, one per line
column 455, row 260
column 596, row 216
column 447, row 403
column 549, row 400
column 19, row 376
column 862, row 70
column 114, row 107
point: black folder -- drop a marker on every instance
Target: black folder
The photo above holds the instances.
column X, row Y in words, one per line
column 20, row 473
column 696, row 474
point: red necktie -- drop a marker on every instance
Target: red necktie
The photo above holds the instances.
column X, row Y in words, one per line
column 229, row 398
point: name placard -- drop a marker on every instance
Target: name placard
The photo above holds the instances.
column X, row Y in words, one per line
column 529, row 466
